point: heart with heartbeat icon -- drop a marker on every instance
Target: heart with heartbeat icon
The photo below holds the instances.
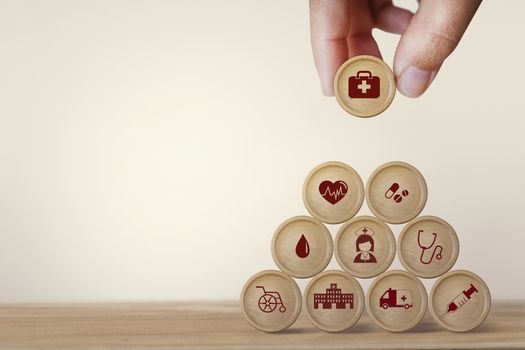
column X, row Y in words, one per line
column 333, row 192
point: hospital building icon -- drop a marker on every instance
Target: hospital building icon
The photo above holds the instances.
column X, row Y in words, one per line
column 333, row 296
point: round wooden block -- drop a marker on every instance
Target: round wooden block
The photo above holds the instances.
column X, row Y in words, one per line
column 365, row 246
column 334, row 301
column 333, row 192
column 428, row 246
column 460, row 301
column 364, row 86
column 396, row 300
column 271, row 301
column 396, row 192
column 302, row 246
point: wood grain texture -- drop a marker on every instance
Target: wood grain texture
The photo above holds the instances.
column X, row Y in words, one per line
column 340, row 200
column 285, row 240
column 354, row 70
column 405, row 302
column 438, row 238
column 350, row 252
column 396, row 192
column 221, row 325
column 467, row 312
column 271, row 301
column 327, row 316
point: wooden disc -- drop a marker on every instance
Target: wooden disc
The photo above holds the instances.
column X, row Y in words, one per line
column 333, row 192
column 396, row 300
column 460, row 301
column 302, row 246
column 334, row 301
column 364, row 86
column 396, row 192
column 271, row 301
column 428, row 246
column 365, row 246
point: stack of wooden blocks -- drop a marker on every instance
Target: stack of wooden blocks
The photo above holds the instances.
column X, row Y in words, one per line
column 365, row 246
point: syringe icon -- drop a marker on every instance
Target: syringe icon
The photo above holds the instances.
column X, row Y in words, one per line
column 461, row 299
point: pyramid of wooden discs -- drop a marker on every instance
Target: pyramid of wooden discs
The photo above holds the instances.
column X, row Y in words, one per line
column 365, row 247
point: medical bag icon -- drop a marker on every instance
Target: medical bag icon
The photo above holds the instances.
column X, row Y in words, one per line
column 363, row 85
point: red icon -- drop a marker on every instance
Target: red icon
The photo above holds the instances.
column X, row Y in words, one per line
column 436, row 253
column 333, row 192
column 269, row 301
column 461, row 299
column 391, row 192
column 364, row 246
column 396, row 298
column 333, row 296
column 302, row 249
column 363, row 85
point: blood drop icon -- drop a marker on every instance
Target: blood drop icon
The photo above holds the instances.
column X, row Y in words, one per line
column 302, row 249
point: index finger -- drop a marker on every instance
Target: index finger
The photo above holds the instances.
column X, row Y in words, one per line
column 339, row 29
column 329, row 26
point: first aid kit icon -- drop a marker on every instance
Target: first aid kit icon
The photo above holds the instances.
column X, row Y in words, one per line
column 363, row 85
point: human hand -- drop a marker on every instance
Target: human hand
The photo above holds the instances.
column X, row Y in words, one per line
column 343, row 28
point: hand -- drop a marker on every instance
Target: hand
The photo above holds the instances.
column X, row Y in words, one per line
column 343, row 28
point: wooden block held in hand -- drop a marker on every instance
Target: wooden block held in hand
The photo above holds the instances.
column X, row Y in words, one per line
column 364, row 86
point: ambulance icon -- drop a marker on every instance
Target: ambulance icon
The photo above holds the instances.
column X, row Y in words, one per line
column 363, row 85
column 396, row 298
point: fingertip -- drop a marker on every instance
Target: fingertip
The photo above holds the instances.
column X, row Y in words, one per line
column 326, row 78
column 328, row 61
column 431, row 36
column 327, row 91
column 413, row 82
column 326, row 71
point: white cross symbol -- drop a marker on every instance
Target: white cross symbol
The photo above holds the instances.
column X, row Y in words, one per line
column 364, row 86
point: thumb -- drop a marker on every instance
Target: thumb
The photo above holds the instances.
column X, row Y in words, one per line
column 432, row 35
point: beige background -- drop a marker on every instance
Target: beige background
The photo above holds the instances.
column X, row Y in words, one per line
column 149, row 149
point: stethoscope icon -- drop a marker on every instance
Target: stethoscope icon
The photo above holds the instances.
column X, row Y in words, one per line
column 438, row 249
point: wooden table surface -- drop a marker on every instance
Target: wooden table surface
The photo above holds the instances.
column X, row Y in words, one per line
column 221, row 325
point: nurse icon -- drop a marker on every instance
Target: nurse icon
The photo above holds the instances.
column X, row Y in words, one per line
column 364, row 246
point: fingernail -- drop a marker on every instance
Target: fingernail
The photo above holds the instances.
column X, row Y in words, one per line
column 413, row 82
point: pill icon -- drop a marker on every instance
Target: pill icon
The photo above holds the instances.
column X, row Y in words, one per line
column 392, row 190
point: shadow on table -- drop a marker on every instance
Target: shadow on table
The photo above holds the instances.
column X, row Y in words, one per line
column 423, row 327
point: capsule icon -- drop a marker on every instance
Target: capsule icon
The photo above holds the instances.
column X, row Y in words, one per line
column 392, row 190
